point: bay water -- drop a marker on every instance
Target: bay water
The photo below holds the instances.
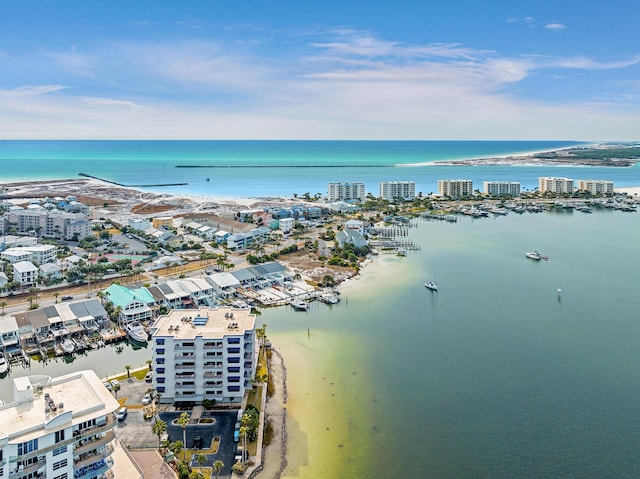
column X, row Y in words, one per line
column 493, row 376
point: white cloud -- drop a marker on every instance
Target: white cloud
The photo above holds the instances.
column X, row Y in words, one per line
column 108, row 102
column 350, row 86
column 554, row 26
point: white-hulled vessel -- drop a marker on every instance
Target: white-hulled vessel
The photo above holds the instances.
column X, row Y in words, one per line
column 299, row 305
column 136, row 332
column 4, row 365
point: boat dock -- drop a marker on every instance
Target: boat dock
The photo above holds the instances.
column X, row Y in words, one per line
column 113, row 335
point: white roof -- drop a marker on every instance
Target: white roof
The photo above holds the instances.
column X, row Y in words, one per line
column 24, row 267
column 8, row 324
column 224, row 279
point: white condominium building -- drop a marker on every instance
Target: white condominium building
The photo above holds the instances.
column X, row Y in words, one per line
column 595, row 186
column 346, row 191
column 555, row 185
column 391, row 190
column 455, row 188
column 502, row 188
column 207, row 353
column 62, row 428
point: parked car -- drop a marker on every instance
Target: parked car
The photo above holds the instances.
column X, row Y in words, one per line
column 146, row 400
column 122, row 414
column 197, row 442
column 67, row 298
column 149, row 376
column 236, row 435
column 115, row 383
column 107, row 385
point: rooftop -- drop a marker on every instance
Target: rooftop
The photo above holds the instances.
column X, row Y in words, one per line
column 77, row 397
column 206, row 322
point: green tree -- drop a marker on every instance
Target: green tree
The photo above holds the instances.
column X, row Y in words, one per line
column 3, row 304
column 159, row 427
column 217, row 467
column 183, row 420
column 128, row 369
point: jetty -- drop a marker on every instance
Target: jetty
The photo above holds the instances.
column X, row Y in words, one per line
column 87, row 175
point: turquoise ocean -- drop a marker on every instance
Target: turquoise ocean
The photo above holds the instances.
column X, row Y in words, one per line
column 493, row 376
column 279, row 168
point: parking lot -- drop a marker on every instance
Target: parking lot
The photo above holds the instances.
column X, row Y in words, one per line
column 222, row 427
column 136, row 433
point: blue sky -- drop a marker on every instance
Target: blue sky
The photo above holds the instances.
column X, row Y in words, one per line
column 320, row 70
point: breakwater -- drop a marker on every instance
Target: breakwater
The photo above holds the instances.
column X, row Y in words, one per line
column 86, row 175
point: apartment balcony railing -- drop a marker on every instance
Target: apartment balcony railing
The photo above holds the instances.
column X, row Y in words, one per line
column 96, row 443
column 92, row 458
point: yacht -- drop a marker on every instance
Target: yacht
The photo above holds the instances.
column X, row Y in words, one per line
column 533, row 255
column 4, row 366
column 300, row 305
column 136, row 332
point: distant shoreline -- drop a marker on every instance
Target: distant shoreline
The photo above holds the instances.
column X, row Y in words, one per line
column 605, row 156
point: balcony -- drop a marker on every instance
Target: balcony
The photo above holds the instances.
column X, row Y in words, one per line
column 24, row 470
column 183, row 367
column 92, row 458
column 94, row 470
column 79, row 435
column 96, row 443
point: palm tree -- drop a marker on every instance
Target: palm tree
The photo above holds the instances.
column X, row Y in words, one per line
column 128, row 369
column 217, row 467
column 183, row 420
column 2, row 305
column 55, row 295
column 159, row 427
column 243, row 433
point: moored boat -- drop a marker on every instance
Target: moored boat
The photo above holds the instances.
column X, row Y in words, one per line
column 136, row 332
column 300, row 305
column 533, row 255
column 4, row 366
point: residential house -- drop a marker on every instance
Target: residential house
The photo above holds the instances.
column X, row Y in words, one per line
column 133, row 304
column 25, row 273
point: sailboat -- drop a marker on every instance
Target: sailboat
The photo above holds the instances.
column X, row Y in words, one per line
column 432, row 285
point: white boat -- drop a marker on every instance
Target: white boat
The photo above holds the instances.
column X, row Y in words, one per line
column 299, row 305
column 533, row 255
column 4, row 366
column 68, row 346
column 136, row 332
column 432, row 285
column 329, row 298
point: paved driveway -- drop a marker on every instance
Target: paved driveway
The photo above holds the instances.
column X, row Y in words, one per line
column 222, row 427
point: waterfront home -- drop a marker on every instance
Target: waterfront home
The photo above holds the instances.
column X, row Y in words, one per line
column 134, row 304
column 183, row 293
column 9, row 333
column 225, row 285
column 354, row 225
column 286, row 224
column 351, row 237
column 224, row 339
column 268, row 274
column 90, row 314
column 25, row 273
